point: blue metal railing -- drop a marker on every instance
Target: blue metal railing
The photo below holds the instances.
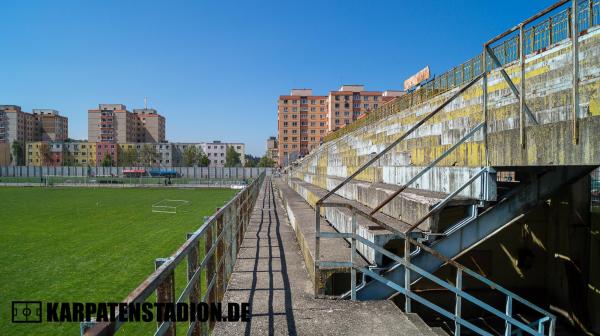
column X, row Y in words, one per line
column 544, row 325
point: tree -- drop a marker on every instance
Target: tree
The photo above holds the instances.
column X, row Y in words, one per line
column 251, row 161
column 45, row 154
column 266, row 162
column 190, row 156
column 148, row 155
column 67, row 157
column 232, row 158
column 18, row 153
column 107, row 161
column 128, row 157
column 203, row 160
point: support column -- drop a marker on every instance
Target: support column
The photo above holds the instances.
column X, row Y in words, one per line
column 575, row 60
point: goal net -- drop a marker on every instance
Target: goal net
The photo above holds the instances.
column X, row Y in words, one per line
column 170, row 206
column 54, row 180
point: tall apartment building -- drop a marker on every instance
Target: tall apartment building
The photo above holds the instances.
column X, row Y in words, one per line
column 272, row 149
column 303, row 119
column 50, row 125
column 16, row 125
column 301, row 124
column 150, row 125
column 114, row 123
column 351, row 101
column 40, row 125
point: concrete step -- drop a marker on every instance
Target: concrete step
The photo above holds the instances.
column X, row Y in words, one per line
column 439, row 331
column 302, row 219
column 421, row 325
column 341, row 219
column 409, row 206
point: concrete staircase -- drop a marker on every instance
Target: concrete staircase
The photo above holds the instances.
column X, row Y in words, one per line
column 301, row 217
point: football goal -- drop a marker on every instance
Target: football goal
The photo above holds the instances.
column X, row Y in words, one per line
column 170, row 206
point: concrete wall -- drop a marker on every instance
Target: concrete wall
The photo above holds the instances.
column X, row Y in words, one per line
column 548, row 94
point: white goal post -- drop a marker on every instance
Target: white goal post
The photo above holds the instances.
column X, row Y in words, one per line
column 169, row 206
column 50, row 180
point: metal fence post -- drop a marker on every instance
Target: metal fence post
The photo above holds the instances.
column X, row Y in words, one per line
column 508, row 329
column 210, row 264
column 220, row 265
column 317, row 247
column 522, row 96
column 194, row 298
column 458, row 304
column 407, row 308
column 485, row 103
column 575, row 52
column 165, row 293
column 352, row 258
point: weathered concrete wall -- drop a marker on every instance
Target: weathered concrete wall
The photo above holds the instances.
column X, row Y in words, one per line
column 548, row 94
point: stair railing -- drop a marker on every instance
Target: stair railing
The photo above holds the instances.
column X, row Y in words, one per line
column 544, row 325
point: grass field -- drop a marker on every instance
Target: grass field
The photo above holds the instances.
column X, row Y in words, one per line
column 88, row 245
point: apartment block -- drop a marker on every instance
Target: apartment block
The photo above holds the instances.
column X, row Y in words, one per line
column 303, row 119
column 41, row 153
column 301, row 123
column 50, row 125
column 272, row 149
column 150, row 125
column 16, row 125
column 4, row 154
column 216, row 152
column 180, row 147
column 114, row 123
column 104, row 149
column 79, row 153
column 351, row 101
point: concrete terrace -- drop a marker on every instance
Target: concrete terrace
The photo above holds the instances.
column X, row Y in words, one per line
column 271, row 275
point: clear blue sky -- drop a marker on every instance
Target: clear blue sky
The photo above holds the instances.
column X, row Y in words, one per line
column 214, row 69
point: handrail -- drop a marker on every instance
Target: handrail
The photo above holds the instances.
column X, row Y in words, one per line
column 460, row 294
column 461, row 73
column 401, row 138
column 222, row 234
column 426, row 169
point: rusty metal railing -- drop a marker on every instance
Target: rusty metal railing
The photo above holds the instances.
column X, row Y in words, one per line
column 221, row 235
column 541, row 31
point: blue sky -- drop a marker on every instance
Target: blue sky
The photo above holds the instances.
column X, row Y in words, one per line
column 214, row 69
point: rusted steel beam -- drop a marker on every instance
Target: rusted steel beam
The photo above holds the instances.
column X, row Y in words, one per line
column 210, row 264
column 196, row 289
column 220, row 254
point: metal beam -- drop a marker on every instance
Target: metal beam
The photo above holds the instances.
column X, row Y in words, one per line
column 486, row 225
column 575, row 52
column 522, row 96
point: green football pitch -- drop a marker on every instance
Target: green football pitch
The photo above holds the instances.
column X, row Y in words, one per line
column 89, row 245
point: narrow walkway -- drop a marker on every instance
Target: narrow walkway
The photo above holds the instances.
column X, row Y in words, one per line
column 270, row 275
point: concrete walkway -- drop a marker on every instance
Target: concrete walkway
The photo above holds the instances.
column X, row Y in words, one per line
column 270, row 275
